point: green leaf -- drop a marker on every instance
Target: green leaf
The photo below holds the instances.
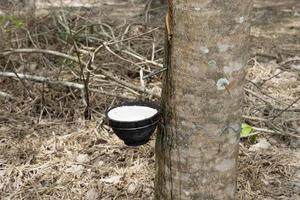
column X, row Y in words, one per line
column 246, row 130
column 3, row 20
column 253, row 139
column 19, row 23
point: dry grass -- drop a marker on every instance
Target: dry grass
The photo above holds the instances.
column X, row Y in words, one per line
column 273, row 97
column 72, row 161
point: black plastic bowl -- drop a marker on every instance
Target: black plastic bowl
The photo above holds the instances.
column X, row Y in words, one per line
column 135, row 133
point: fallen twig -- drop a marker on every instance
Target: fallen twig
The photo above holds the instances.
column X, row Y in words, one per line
column 274, row 132
column 155, row 72
column 143, row 59
column 290, row 60
column 286, row 109
column 6, row 95
column 118, row 56
column 255, row 118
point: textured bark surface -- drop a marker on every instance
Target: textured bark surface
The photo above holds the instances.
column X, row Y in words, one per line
column 197, row 143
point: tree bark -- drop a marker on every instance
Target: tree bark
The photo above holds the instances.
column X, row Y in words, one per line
column 197, row 142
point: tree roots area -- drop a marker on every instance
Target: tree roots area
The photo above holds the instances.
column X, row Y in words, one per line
column 62, row 67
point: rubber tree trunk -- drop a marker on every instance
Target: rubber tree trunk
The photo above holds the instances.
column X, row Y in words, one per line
column 197, row 142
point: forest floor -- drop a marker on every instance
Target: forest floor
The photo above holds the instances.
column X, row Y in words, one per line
column 48, row 150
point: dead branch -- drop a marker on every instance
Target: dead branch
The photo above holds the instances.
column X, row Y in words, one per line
column 41, row 79
column 59, row 54
column 85, row 79
column 43, row 51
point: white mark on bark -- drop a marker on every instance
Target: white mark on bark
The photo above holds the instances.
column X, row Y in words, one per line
column 230, row 190
column 167, row 169
column 221, row 83
column 190, row 96
column 195, row 69
column 194, row 4
column 180, row 138
column 225, row 165
column 232, row 140
column 186, row 193
column 235, row 126
column 240, row 19
column 224, row 47
column 233, row 66
column 212, row 63
column 204, row 50
column 183, row 123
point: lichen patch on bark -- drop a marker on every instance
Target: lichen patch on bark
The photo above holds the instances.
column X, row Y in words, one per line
column 225, row 165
